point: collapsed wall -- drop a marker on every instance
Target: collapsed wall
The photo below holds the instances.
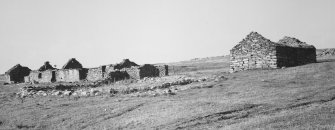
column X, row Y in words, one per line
column 41, row 76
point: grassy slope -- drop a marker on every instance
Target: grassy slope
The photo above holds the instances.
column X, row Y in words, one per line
column 292, row 98
column 210, row 63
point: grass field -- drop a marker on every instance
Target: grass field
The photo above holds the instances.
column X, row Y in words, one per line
column 300, row 97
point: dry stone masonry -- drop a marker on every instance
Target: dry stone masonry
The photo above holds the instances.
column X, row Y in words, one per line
column 4, row 78
column 41, row 76
column 257, row 52
column 326, row 52
column 15, row 74
column 73, row 71
column 95, row 74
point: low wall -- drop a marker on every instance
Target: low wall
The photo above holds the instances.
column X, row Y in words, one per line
column 5, row 78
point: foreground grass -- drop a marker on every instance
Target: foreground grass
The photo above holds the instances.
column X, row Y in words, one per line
column 291, row 98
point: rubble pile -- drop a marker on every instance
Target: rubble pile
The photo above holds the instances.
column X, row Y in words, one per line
column 326, row 52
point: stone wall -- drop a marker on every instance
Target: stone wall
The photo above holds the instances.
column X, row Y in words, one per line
column 41, row 76
column 148, row 70
column 292, row 56
column 253, row 52
column 95, row 74
column 117, row 75
column 5, row 78
column 17, row 73
column 133, row 72
column 293, row 52
column 163, row 70
column 257, row 52
column 109, row 68
column 69, row 75
column 325, row 52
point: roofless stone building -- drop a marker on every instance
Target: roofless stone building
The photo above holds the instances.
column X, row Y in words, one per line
column 15, row 74
column 257, row 52
column 73, row 71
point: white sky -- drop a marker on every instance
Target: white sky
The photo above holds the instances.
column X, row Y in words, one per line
column 98, row 32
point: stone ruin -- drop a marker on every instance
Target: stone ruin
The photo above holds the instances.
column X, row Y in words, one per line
column 257, row 52
column 146, row 70
column 73, row 71
column 46, row 66
column 15, row 74
column 125, row 70
column 72, row 64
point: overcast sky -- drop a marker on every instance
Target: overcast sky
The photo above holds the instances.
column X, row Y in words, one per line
column 98, row 32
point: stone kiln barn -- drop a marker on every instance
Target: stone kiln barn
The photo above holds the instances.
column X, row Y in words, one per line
column 255, row 52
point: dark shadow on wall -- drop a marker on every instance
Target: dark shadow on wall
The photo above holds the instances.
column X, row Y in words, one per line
column 83, row 73
column 293, row 56
column 117, row 76
column 148, row 70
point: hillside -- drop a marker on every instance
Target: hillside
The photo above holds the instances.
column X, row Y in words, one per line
column 299, row 97
column 208, row 63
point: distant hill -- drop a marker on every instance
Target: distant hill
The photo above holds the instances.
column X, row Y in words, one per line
column 215, row 59
column 198, row 64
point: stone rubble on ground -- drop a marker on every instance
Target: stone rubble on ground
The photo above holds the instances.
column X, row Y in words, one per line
column 164, row 88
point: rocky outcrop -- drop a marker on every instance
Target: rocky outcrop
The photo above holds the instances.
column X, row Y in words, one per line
column 326, row 52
